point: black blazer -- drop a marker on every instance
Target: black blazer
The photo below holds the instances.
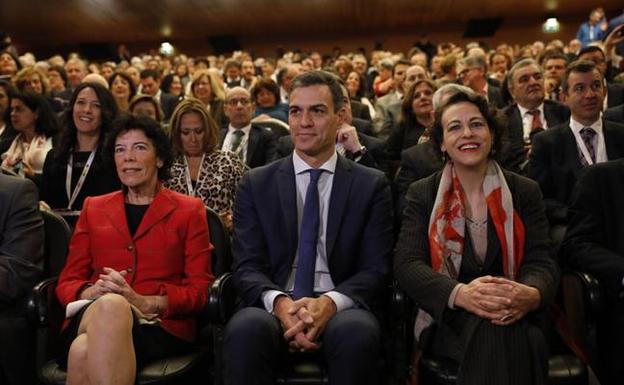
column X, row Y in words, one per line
column 594, row 241
column 615, row 114
column 360, row 110
column 402, row 137
column 168, row 103
column 260, row 145
column 7, row 137
column 359, row 231
column 412, row 263
column 554, row 112
column 374, row 156
column 615, row 94
column 101, row 179
column 21, row 240
column 554, row 161
column 495, row 96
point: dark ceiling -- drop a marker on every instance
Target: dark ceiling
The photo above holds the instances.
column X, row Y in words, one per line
column 41, row 22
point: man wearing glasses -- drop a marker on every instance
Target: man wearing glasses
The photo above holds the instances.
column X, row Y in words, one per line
column 253, row 143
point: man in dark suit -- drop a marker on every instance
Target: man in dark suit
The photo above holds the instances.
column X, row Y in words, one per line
column 559, row 154
column 530, row 114
column 150, row 85
column 21, row 261
column 594, row 244
column 312, row 242
column 472, row 71
column 254, row 143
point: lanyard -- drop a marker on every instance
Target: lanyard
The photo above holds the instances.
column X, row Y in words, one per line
column 187, row 173
column 71, row 197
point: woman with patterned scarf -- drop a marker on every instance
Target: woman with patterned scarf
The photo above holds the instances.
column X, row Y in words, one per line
column 474, row 254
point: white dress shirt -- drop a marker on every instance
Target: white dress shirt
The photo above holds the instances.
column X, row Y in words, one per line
column 322, row 279
column 527, row 121
column 598, row 142
column 242, row 148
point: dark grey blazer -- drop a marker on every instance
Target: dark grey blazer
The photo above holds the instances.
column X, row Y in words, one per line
column 615, row 114
column 412, row 264
column 260, row 146
column 21, row 238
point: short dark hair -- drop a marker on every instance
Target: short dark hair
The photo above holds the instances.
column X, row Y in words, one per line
column 152, row 131
column 232, row 63
column 165, row 85
column 313, row 78
column 46, row 123
column 590, row 49
column 265, row 84
column 553, row 54
column 61, row 71
column 400, row 62
column 582, row 66
column 108, row 113
column 150, row 73
column 10, row 90
column 160, row 115
column 495, row 120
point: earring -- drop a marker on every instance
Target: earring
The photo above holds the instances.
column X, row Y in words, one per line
column 444, row 156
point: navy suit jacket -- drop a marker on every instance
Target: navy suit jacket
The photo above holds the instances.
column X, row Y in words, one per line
column 554, row 161
column 615, row 114
column 359, row 231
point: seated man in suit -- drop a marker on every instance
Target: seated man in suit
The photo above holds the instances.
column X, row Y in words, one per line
column 393, row 109
column 312, row 243
column 254, row 143
column 21, row 261
column 350, row 139
column 559, row 154
column 150, row 85
column 594, row 244
column 554, row 63
column 472, row 71
column 395, row 95
column 530, row 114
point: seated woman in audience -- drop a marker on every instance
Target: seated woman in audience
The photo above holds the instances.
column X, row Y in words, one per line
column 33, row 119
column 200, row 169
column 7, row 133
column 145, row 105
column 356, row 85
column 123, row 89
column 416, row 117
column 266, row 97
column 474, row 254
column 171, row 84
column 32, row 79
column 206, row 87
column 78, row 159
column 9, row 65
column 144, row 296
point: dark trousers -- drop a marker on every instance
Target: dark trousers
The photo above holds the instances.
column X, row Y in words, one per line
column 254, row 348
column 17, row 347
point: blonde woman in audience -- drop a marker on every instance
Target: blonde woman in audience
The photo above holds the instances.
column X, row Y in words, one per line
column 206, row 86
column 200, row 169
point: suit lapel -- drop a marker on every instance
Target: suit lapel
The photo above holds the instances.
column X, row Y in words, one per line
column 570, row 148
column 611, row 145
column 288, row 202
column 114, row 211
column 161, row 206
column 252, row 143
column 337, row 202
column 222, row 134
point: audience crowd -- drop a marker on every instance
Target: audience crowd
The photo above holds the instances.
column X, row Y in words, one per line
column 462, row 155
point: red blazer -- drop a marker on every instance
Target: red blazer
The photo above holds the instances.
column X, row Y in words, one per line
column 168, row 255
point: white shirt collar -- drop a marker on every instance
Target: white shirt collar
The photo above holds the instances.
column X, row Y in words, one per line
column 301, row 165
column 577, row 127
column 523, row 111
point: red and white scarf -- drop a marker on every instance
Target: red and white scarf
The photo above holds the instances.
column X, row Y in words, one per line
column 447, row 226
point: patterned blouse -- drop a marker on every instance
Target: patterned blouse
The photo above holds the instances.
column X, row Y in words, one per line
column 218, row 179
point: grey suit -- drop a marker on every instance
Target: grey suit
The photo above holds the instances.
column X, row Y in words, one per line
column 458, row 334
column 21, row 259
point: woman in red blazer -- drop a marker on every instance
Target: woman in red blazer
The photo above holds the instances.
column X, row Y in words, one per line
column 143, row 256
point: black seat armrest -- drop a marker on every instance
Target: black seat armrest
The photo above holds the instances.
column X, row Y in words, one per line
column 42, row 296
column 221, row 299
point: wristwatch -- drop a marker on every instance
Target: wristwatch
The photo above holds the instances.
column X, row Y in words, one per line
column 359, row 153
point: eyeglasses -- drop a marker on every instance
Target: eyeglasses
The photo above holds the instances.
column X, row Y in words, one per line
column 234, row 102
